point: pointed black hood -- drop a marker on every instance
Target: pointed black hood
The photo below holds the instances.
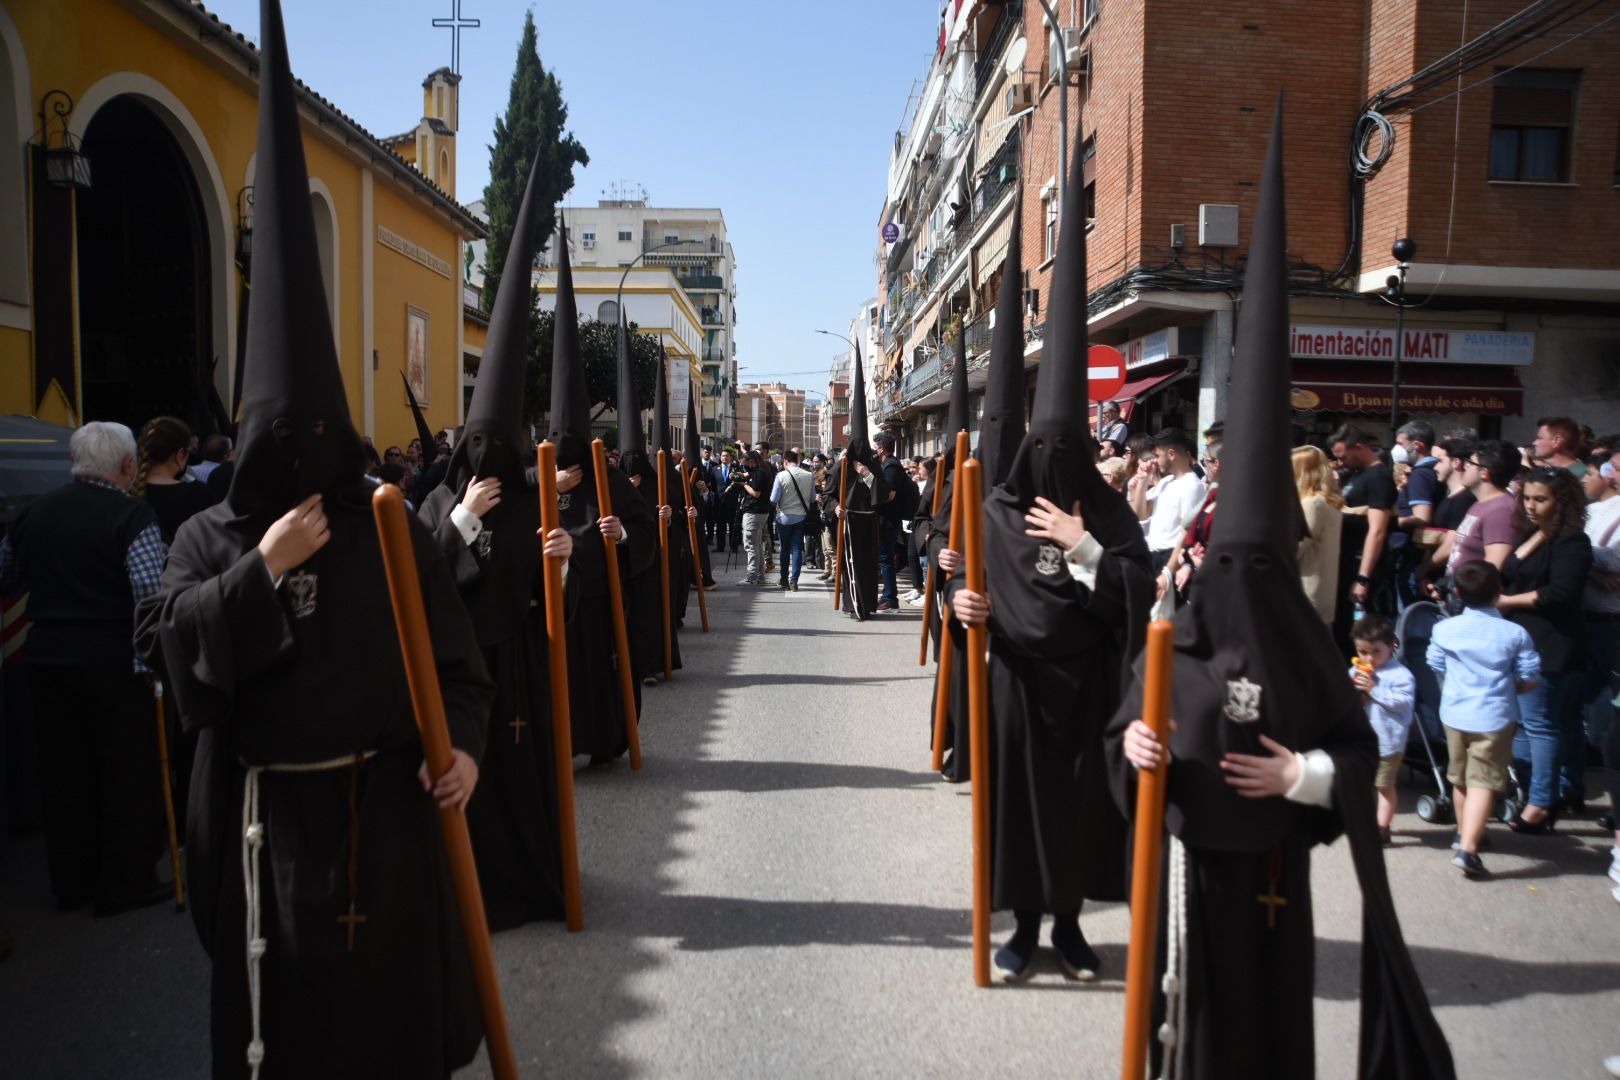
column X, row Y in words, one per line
column 692, row 449
column 633, row 456
column 1249, row 623
column 661, row 435
column 296, row 438
column 860, row 442
column 492, row 441
column 956, row 416
column 424, row 433
column 1001, row 431
column 569, row 421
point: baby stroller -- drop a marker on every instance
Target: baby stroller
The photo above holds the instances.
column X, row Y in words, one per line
column 1413, row 630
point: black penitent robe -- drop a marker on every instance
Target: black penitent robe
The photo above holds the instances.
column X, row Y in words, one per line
column 597, row 714
column 1058, row 654
column 643, row 597
column 311, row 672
column 513, row 814
column 1250, row 984
column 860, row 525
column 947, row 632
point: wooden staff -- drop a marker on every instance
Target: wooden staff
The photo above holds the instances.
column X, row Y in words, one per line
column 1146, row 855
column 928, row 593
column 168, row 801
column 422, row 675
column 663, row 561
column 697, row 555
column 621, row 639
column 562, row 732
column 971, row 497
column 942, row 692
column 843, row 522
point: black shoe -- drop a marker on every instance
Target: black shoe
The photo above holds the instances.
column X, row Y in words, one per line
column 1572, row 807
column 1013, row 960
column 155, row 894
column 1605, row 821
column 1077, row 959
column 782, row 583
column 1545, row 825
column 794, row 587
column 1469, row 864
column 600, row 761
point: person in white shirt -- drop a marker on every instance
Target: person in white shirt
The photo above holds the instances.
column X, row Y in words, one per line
column 1175, row 494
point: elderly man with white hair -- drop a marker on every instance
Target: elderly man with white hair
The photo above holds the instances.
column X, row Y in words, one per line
column 86, row 554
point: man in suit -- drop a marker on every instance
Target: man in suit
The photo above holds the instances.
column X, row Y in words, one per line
column 724, row 498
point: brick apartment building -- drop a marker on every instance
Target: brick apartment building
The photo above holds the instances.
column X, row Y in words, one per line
column 772, row 413
column 1509, row 189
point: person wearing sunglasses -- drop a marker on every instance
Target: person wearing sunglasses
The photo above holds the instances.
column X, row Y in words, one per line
column 1488, row 530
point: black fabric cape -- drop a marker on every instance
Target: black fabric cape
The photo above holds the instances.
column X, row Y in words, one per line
column 644, row 591
column 948, row 633
column 513, row 814
column 593, row 687
column 308, row 673
column 860, row 525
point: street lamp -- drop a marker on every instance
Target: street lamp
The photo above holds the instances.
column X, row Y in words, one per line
column 1404, row 250
column 618, row 300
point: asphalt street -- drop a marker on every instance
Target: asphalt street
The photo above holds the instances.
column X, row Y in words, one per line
column 783, row 890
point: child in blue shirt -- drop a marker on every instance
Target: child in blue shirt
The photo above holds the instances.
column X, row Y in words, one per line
column 1389, row 694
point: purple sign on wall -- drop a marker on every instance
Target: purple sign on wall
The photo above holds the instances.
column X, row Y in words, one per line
column 891, row 233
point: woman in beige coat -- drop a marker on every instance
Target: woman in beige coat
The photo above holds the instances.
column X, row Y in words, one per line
column 1318, row 487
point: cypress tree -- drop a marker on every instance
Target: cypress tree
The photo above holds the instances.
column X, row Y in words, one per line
column 532, row 127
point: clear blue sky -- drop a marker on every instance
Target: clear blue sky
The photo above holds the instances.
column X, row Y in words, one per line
column 779, row 113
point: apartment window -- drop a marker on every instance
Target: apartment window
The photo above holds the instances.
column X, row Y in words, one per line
column 608, row 312
column 1532, row 114
column 1049, row 221
column 672, row 238
column 625, row 236
column 1088, row 177
column 1092, row 7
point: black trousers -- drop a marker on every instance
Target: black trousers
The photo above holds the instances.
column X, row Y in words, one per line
column 98, row 762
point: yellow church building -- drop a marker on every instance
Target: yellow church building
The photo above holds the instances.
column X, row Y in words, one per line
column 127, row 136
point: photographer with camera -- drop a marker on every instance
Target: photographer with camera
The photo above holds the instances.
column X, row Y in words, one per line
column 755, row 495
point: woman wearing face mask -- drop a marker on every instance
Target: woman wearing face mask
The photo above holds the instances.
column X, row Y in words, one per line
column 1542, row 586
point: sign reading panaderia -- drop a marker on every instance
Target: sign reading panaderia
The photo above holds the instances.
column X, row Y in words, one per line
column 413, row 251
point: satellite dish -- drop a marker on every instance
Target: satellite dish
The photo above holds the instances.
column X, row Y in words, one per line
column 1013, row 62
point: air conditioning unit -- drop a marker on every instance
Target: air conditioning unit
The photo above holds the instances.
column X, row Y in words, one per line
column 1020, row 96
column 1075, row 58
column 587, row 244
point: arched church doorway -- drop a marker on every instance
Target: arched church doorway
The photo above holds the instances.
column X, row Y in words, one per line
column 145, row 323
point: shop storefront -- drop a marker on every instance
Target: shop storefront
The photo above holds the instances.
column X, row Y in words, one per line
column 1451, row 378
column 1161, row 388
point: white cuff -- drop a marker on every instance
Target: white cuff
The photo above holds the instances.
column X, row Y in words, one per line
column 467, row 524
column 624, row 534
column 1315, row 784
column 1083, row 560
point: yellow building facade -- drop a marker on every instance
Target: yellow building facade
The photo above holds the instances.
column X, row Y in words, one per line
column 126, row 298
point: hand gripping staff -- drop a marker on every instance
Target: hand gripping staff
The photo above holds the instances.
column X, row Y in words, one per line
column 942, row 689
column 928, row 593
column 687, row 473
column 663, row 561
column 1146, row 849
column 838, row 553
column 168, row 800
column 621, row 639
column 399, row 561
column 969, row 496
column 562, row 733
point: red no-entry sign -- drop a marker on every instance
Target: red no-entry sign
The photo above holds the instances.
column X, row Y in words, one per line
column 1106, row 371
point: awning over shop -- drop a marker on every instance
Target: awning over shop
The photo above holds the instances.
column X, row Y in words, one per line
column 992, row 251
column 1425, row 388
column 1139, row 390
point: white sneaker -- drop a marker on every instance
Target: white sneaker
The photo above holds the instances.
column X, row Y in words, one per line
column 912, row 597
column 1612, row 1063
column 1614, row 864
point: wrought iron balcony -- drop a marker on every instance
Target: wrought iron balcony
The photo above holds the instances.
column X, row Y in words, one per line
column 1012, row 17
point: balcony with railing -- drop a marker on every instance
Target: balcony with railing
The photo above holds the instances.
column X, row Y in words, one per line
column 1007, row 24
column 703, row 281
column 996, row 177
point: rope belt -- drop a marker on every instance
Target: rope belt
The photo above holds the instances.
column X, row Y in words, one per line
column 252, row 842
column 1175, row 966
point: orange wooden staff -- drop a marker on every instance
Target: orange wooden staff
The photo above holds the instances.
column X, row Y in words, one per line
column 168, row 801
column 1146, row 851
column 663, row 560
column 942, row 691
column 928, row 593
column 970, row 493
column 697, row 554
column 621, row 639
column 562, row 732
column 843, row 522
column 422, row 675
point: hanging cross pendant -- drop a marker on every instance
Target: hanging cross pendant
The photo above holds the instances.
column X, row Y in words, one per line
column 1273, row 901
column 517, row 725
column 352, row 919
